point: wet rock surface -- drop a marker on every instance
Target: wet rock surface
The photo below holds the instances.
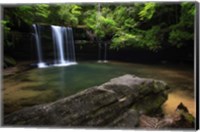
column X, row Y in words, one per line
column 114, row 104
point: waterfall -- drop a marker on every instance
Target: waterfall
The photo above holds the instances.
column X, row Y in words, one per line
column 98, row 24
column 40, row 63
column 70, row 49
column 71, row 45
column 99, row 51
column 64, row 50
column 105, row 53
column 63, row 37
column 102, row 49
column 58, row 40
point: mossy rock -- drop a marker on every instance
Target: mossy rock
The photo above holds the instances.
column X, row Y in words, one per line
column 113, row 104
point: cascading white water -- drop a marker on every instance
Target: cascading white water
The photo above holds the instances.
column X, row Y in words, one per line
column 105, row 53
column 67, row 48
column 64, row 50
column 66, row 56
column 58, row 39
column 40, row 64
column 70, row 44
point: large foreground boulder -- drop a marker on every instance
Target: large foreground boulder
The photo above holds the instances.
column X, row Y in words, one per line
column 117, row 103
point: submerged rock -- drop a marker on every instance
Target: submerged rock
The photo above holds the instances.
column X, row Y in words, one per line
column 117, row 103
column 185, row 120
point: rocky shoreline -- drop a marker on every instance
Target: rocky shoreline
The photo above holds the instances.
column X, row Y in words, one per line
column 124, row 102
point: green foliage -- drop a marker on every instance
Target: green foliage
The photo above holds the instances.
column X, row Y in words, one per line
column 125, row 24
column 8, row 61
column 7, row 44
column 6, row 29
column 122, row 39
column 101, row 23
column 32, row 13
column 184, row 30
column 124, row 17
column 150, row 38
column 15, row 18
column 177, row 37
column 129, row 34
column 147, row 11
column 188, row 11
column 146, row 25
column 76, row 10
column 105, row 27
column 42, row 10
column 69, row 14
column 140, row 38
column 90, row 20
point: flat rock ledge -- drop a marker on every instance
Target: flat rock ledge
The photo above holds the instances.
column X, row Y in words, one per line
column 114, row 104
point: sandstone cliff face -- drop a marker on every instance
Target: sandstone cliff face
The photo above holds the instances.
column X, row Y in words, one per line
column 114, row 104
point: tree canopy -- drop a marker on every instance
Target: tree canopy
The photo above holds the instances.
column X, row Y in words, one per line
column 147, row 25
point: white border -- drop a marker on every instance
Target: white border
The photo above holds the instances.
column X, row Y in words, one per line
column 15, row 2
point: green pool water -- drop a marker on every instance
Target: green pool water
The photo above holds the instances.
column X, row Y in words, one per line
column 38, row 86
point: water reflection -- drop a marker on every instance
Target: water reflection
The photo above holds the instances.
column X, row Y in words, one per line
column 45, row 85
column 175, row 98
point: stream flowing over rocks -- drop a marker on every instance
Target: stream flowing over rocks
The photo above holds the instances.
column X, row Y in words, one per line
column 118, row 103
